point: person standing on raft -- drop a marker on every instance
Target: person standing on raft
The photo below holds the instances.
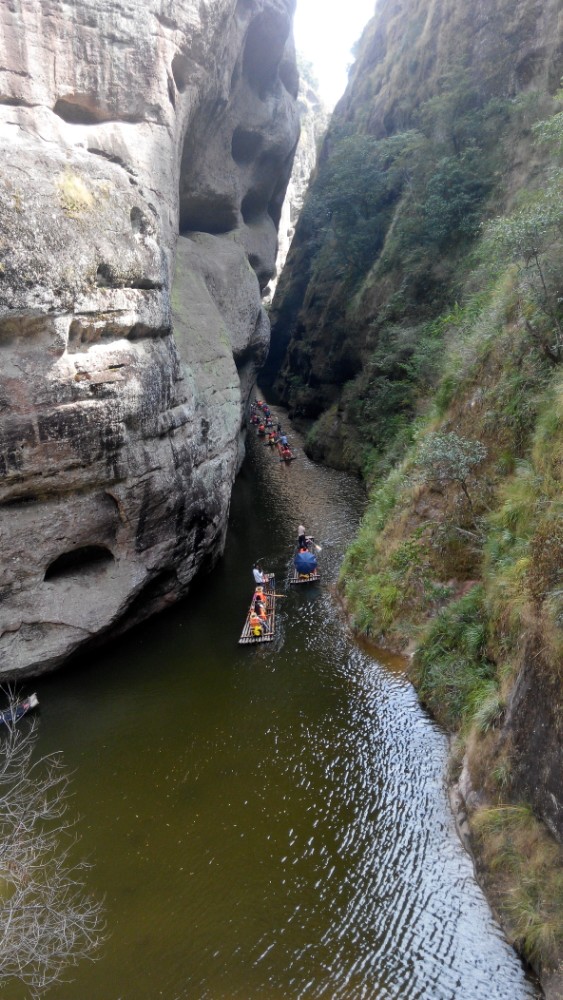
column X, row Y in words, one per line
column 302, row 539
column 259, row 576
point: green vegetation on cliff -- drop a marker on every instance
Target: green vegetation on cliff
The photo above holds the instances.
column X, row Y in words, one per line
column 424, row 331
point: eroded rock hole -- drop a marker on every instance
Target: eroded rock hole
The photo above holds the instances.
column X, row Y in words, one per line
column 19, row 501
column 206, row 215
column 180, row 72
column 78, row 109
column 245, row 145
column 171, row 92
column 84, row 560
column 104, row 276
column 263, row 50
column 252, row 207
column 139, row 222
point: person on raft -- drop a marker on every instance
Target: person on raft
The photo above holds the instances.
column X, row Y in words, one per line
column 260, row 605
column 256, row 625
column 259, row 576
column 303, row 539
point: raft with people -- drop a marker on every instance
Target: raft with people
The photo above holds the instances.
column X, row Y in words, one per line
column 261, row 418
column 260, row 624
column 305, row 562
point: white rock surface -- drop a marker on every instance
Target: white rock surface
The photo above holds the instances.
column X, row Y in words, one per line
column 127, row 354
column 314, row 119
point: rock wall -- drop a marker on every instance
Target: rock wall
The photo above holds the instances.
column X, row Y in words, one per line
column 146, row 150
column 412, row 53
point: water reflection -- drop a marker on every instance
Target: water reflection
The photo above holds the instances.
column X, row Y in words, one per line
column 270, row 822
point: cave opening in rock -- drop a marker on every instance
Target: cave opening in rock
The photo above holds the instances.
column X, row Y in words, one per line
column 245, row 145
column 79, row 109
column 79, row 561
column 208, row 215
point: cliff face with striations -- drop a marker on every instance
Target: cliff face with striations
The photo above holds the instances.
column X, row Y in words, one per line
column 145, row 150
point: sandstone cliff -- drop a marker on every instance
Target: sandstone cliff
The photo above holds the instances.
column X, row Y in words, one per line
column 146, row 149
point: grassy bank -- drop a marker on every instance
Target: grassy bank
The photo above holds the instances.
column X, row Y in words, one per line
column 461, row 551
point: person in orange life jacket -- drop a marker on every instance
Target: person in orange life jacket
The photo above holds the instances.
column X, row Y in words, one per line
column 255, row 623
column 260, row 610
column 260, row 604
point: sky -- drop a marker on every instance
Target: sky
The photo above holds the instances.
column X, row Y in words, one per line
column 325, row 31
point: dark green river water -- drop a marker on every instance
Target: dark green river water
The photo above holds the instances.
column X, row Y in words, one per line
column 268, row 822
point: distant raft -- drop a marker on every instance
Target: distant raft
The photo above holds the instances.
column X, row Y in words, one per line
column 305, row 566
column 266, row 633
column 20, row 708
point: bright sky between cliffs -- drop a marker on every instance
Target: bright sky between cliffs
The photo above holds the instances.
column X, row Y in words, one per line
column 325, row 31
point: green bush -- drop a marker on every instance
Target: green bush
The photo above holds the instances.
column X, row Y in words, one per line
column 446, row 458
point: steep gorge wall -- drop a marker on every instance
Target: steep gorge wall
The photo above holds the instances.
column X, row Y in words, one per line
column 145, row 154
column 413, row 55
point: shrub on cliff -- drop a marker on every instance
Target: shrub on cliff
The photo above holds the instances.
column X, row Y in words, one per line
column 445, row 458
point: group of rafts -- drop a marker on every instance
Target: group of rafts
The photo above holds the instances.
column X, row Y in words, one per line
column 261, row 418
column 260, row 624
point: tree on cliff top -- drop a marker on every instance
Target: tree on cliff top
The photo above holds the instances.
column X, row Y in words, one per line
column 47, row 920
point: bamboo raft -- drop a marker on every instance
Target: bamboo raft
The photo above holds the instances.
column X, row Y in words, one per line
column 247, row 635
column 305, row 577
column 297, row 577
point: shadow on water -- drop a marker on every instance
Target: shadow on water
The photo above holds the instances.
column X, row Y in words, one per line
column 269, row 822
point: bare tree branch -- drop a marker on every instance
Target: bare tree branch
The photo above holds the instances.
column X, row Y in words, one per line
column 48, row 922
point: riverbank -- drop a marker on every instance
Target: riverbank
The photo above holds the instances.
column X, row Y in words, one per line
column 484, row 843
column 465, row 802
